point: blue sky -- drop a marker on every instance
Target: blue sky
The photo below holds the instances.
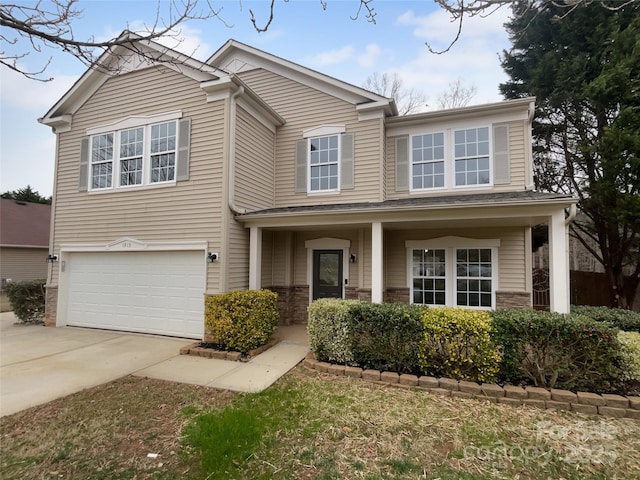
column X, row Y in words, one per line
column 326, row 40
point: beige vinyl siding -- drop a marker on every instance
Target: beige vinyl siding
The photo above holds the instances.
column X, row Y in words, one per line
column 268, row 241
column 20, row 264
column 238, row 252
column 511, row 253
column 303, row 107
column 517, row 166
column 188, row 210
column 254, row 157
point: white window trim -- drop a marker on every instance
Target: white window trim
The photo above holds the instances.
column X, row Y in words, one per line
column 324, row 130
column 452, row 162
column 328, row 190
column 446, row 160
column 450, row 245
column 135, row 121
column 146, row 160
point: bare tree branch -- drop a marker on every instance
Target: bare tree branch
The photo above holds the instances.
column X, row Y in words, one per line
column 408, row 100
column 457, row 95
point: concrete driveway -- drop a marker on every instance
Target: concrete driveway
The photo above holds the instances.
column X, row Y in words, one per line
column 39, row 364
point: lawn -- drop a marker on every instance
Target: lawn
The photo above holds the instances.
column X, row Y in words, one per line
column 308, row 425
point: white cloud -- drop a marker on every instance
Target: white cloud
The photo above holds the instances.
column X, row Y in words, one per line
column 473, row 58
column 369, row 58
column 20, row 92
column 331, row 57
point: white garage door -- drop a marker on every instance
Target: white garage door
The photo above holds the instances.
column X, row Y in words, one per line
column 147, row 292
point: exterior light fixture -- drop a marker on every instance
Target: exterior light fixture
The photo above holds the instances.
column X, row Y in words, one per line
column 352, row 258
column 52, row 258
column 213, row 256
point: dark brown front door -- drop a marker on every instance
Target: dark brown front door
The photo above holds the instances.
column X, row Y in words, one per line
column 327, row 274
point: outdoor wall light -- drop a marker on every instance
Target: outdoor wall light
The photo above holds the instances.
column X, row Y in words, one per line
column 213, row 256
column 352, row 258
column 52, row 258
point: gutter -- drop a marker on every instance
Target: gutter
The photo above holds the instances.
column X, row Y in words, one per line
column 573, row 211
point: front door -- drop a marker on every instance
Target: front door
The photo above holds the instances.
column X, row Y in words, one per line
column 327, row 274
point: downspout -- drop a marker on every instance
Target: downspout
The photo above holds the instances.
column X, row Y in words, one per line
column 232, row 153
column 572, row 215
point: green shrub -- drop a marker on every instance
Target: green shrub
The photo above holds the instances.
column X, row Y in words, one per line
column 457, row 344
column 626, row 320
column 241, row 320
column 386, row 336
column 630, row 349
column 27, row 300
column 328, row 329
column 551, row 350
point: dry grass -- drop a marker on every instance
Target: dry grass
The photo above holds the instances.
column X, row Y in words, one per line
column 313, row 426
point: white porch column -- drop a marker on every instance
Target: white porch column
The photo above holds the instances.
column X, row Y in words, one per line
column 560, row 292
column 255, row 258
column 377, row 262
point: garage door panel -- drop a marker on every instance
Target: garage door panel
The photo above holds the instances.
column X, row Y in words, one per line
column 148, row 292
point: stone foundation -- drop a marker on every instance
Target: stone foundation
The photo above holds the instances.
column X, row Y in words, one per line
column 513, row 300
column 51, row 305
column 292, row 303
column 355, row 293
column 397, row 295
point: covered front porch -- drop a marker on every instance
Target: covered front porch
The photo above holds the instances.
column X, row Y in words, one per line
column 472, row 251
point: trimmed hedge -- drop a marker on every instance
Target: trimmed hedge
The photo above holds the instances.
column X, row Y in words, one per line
column 386, row 336
column 241, row 320
column 551, row 350
column 457, row 344
column 328, row 329
column 626, row 320
column 630, row 348
column 27, row 300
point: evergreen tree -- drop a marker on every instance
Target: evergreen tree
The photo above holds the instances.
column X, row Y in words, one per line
column 26, row 194
column 584, row 70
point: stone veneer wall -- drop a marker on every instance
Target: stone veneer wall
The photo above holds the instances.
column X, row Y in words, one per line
column 292, row 303
column 397, row 295
column 51, row 306
column 513, row 299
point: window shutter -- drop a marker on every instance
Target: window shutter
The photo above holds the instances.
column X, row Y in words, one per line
column 184, row 139
column 83, row 178
column 301, row 166
column 402, row 164
column 347, row 161
column 501, row 154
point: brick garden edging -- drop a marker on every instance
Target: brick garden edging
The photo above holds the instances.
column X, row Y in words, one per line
column 608, row 405
column 197, row 351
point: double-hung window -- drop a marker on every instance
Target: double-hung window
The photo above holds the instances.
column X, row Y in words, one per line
column 427, row 161
column 462, row 275
column 324, row 154
column 135, row 156
column 471, row 156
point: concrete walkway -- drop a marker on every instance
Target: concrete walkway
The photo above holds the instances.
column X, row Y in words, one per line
column 39, row 364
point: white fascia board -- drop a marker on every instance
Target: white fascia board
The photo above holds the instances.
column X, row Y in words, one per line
column 92, row 79
column 499, row 112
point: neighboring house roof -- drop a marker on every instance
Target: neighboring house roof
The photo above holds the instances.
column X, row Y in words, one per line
column 237, row 57
column 525, row 197
column 24, row 224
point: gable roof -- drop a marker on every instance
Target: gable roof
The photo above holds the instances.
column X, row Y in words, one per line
column 237, row 57
column 125, row 59
column 24, row 224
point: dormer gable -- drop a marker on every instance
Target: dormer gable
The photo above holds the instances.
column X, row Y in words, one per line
column 237, row 57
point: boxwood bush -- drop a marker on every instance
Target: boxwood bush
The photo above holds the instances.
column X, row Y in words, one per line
column 551, row 350
column 27, row 300
column 457, row 344
column 626, row 320
column 241, row 320
column 630, row 348
column 386, row 336
column 328, row 329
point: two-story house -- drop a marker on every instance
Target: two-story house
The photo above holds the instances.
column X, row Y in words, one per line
column 180, row 178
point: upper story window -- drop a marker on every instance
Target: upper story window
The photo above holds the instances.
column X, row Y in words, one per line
column 132, row 152
column 427, row 166
column 471, row 154
column 452, row 158
column 325, row 159
column 323, row 163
